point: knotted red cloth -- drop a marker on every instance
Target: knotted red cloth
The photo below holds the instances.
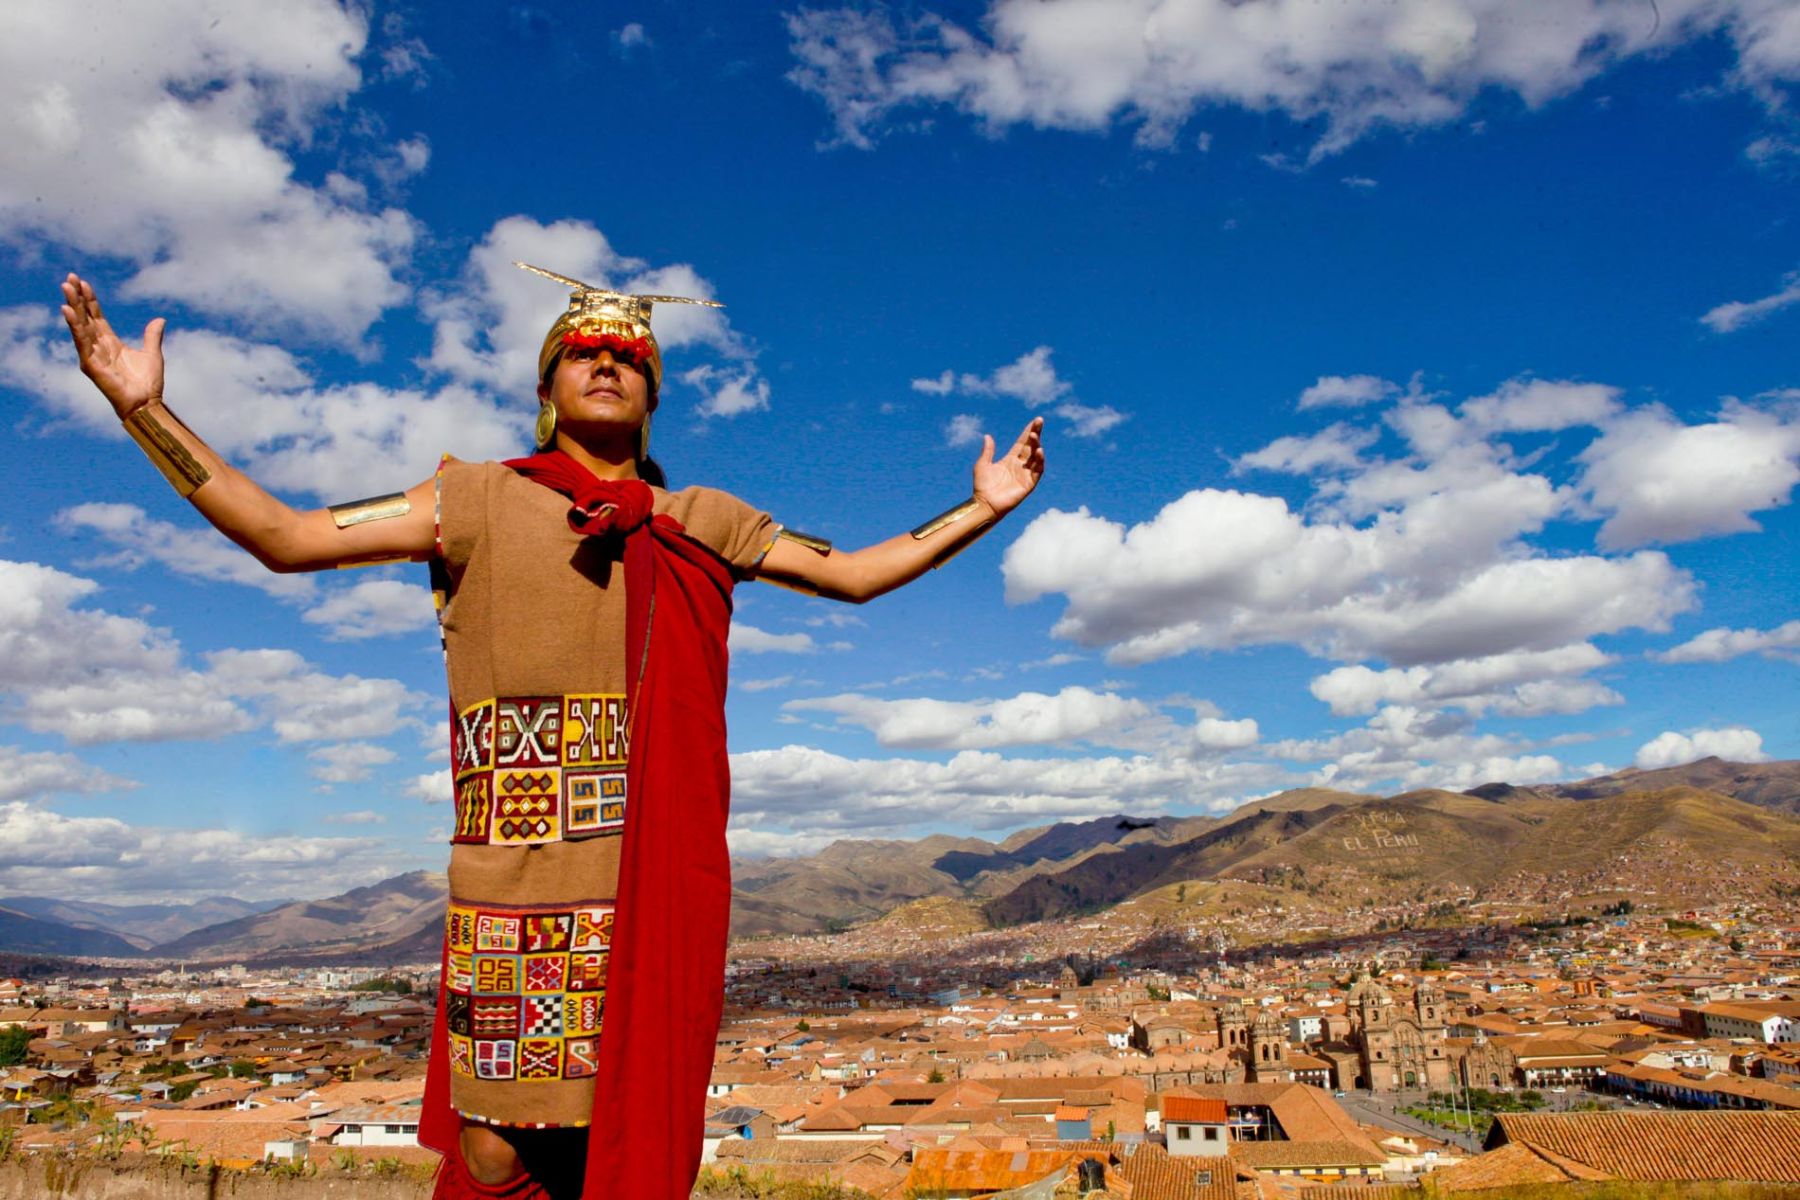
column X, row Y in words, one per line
column 665, row 977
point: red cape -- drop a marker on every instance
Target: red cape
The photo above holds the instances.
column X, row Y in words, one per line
column 665, row 978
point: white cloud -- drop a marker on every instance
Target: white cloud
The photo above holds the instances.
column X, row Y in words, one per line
column 359, row 817
column 260, row 407
column 727, row 393
column 1404, row 747
column 172, row 147
column 748, row 639
column 373, row 608
column 822, row 793
column 630, row 36
column 201, row 553
column 1517, row 683
column 432, row 788
column 1073, row 715
column 1089, row 64
column 942, row 385
column 1219, row 569
column 1530, row 405
column 1086, row 421
column 1337, row 447
column 1351, row 391
column 1719, row 645
column 1216, row 734
column 43, row 852
column 347, row 762
column 762, row 685
column 1734, row 315
column 94, row 676
column 964, row 429
column 29, row 774
column 1671, row 749
column 302, row 704
column 1662, row 481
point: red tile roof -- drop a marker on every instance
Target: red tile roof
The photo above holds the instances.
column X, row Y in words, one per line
column 1749, row 1147
column 1194, row 1108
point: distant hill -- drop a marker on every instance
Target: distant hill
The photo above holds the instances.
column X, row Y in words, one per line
column 23, row 933
column 397, row 910
column 142, row 925
column 1768, row 785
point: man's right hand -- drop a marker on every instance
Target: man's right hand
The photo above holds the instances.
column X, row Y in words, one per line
column 127, row 376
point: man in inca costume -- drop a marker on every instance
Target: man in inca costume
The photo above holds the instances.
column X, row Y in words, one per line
column 584, row 611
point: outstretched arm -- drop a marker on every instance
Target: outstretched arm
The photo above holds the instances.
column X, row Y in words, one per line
column 281, row 538
column 859, row 575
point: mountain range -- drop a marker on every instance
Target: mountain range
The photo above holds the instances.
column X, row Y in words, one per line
column 1306, row 848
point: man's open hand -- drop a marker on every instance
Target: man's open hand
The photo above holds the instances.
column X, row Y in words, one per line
column 129, row 377
column 1001, row 483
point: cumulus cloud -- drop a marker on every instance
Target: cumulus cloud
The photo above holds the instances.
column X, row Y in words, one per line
column 727, row 393
column 1087, row 66
column 1660, row 480
column 93, row 676
column 44, row 852
column 200, row 553
column 432, row 788
column 1220, row 569
column 828, row 793
column 748, row 639
column 174, row 149
column 964, row 429
column 1352, row 391
column 373, row 608
column 1514, row 684
column 1031, row 379
column 1405, row 747
column 1073, row 715
column 1530, row 405
column 262, row 408
column 1337, row 447
column 1722, row 644
column 29, row 774
column 1734, row 315
column 347, row 762
column 1671, row 749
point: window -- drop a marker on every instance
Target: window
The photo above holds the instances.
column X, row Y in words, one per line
column 1211, row 1133
column 1202, row 1178
column 1183, row 1133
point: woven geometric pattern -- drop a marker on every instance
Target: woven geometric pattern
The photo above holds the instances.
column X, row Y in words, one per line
column 536, row 769
column 525, row 990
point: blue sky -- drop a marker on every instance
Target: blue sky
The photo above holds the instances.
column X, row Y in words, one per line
column 1420, row 383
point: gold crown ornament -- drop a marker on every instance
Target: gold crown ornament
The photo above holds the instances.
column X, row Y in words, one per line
column 608, row 320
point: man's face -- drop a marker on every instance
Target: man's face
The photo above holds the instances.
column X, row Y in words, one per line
column 596, row 387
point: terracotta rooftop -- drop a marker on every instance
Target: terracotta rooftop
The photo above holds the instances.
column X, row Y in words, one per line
column 1750, row 1147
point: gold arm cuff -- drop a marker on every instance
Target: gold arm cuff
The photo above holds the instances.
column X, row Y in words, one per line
column 817, row 545
column 947, row 518
column 380, row 561
column 165, row 451
column 375, row 508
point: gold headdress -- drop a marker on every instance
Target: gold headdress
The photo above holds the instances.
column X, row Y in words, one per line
column 596, row 314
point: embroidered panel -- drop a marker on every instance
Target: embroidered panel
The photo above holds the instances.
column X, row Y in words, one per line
column 525, row 992
column 537, row 769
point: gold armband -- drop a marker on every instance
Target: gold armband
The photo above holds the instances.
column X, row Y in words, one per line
column 375, row 508
column 817, row 545
column 380, row 560
column 946, row 519
column 164, row 449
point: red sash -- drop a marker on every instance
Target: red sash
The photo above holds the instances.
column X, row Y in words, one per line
column 664, row 993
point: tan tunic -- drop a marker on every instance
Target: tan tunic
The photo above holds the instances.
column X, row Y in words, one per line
column 534, row 639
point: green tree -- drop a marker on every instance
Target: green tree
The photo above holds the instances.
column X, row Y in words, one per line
column 243, row 1068
column 13, row 1040
column 936, row 1076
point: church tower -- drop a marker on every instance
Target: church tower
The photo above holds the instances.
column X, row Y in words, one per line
column 1269, row 1050
column 1234, row 1029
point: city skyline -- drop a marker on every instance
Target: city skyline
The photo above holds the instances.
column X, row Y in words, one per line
column 1419, row 383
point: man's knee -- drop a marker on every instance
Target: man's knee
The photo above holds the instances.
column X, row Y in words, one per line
column 490, row 1158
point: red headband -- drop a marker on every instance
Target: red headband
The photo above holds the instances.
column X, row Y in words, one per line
column 638, row 350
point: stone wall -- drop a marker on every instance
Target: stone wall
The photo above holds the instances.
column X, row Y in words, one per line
column 51, row 1177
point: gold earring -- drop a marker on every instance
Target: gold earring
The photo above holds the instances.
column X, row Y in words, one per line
column 546, row 425
column 644, row 438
